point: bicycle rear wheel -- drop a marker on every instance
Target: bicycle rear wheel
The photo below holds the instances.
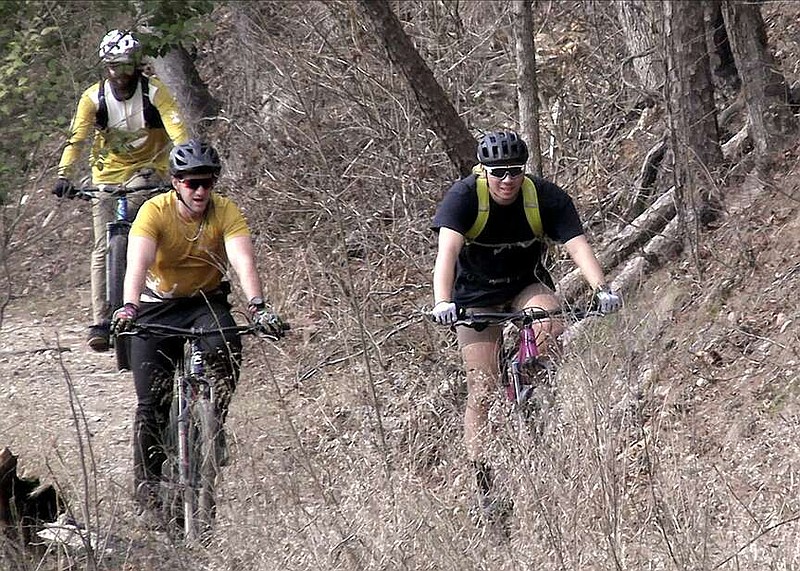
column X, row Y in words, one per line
column 116, row 262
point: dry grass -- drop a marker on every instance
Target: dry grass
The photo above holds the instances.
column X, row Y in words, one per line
column 674, row 445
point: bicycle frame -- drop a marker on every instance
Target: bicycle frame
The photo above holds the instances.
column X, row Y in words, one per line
column 192, row 429
column 526, row 377
column 517, row 368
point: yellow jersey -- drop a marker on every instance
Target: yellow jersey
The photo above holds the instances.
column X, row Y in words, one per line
column 127, row 145
column 190, row 255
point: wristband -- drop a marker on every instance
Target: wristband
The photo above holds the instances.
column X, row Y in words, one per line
column 131, row 307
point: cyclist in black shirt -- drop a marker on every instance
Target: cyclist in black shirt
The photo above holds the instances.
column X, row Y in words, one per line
column 493, row 262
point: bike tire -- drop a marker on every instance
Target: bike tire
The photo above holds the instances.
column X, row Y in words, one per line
column 530, row 394
column 539, row 410
column 205, row 462
column 116, row 262
column 171, row 495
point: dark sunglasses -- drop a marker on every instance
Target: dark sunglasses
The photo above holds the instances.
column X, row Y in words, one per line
column 501, row 172
column 195, row 183
column 126, row 68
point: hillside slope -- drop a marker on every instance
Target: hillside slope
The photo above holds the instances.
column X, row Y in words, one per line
column 675, row 444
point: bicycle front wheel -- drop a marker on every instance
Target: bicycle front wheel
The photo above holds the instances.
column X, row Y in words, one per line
column 205, row 463
column 116, row 262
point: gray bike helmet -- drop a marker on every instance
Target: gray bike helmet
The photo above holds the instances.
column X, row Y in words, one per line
column 194, row 157
column 497, row 148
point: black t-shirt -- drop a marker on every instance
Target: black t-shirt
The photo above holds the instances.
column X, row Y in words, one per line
column 506, row 256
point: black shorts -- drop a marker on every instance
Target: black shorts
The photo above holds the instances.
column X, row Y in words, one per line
column 477, row 291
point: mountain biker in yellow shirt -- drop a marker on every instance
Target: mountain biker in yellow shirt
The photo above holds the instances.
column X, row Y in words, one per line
column 179, row 248
column 132, row 121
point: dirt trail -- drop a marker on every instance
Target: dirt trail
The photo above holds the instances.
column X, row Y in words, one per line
column 46, row 370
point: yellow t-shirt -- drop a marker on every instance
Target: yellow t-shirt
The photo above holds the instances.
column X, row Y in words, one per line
column 128, row 145
column 190, row 256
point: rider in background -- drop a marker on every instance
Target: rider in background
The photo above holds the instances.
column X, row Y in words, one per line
column 501, row 269
column 133, row 121
column 179, row 248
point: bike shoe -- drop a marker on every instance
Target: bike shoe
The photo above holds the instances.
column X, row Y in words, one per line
column 492, row 513
column 98, row 337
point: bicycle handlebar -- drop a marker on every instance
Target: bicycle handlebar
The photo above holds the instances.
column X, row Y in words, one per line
column 483, row 319
column 89, row 192
column 161, row 330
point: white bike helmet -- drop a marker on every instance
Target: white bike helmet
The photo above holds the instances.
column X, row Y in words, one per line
column 119, row 46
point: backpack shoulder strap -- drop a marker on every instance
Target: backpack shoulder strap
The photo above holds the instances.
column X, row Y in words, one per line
column 101, row 116
column 529, row 198
column 152, row 118
column 482, row 189
column 531, row 201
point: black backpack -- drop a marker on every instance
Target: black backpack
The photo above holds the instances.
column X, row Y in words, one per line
column 152, row 118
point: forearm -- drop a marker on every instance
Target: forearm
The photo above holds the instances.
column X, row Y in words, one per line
column 134, row 284
column 582, row 254
column 80, row 130
column 443, row 279
column 242, row 259
column 249, row 280
column 444, row 269
column 141, row 254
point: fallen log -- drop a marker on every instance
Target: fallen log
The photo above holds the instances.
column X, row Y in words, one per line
column 643, row 228
column 659, row 250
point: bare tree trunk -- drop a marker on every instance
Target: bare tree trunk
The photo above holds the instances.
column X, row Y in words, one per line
column 720, row 48
column 177, row 70
column 763, row 84
column 640, row 21
column 439, row 112
column 527, row 88
column 693, row 118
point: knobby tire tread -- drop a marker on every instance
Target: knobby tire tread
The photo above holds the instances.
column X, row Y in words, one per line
column 116, row 262
column 205, row 461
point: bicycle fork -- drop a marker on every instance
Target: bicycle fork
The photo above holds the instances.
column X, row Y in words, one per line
column 525, row 359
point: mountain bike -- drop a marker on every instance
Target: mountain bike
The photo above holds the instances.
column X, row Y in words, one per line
column 526, row 378
column 191, row 441
column 117, row 244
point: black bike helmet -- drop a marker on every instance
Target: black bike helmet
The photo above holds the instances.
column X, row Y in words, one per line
column 194, row 157
column 502, row 148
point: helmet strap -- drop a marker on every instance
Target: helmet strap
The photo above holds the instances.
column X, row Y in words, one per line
column 189, row 208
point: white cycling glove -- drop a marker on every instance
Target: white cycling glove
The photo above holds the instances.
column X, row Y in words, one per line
column 444, row 313
column 608, row 301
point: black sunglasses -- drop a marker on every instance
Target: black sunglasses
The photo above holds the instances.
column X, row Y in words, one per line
column 122, row 68
column 501, row 172
column 195, row 183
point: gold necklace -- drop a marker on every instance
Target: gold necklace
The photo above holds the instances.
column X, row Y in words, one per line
column 200, row 229
column 202, row 220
